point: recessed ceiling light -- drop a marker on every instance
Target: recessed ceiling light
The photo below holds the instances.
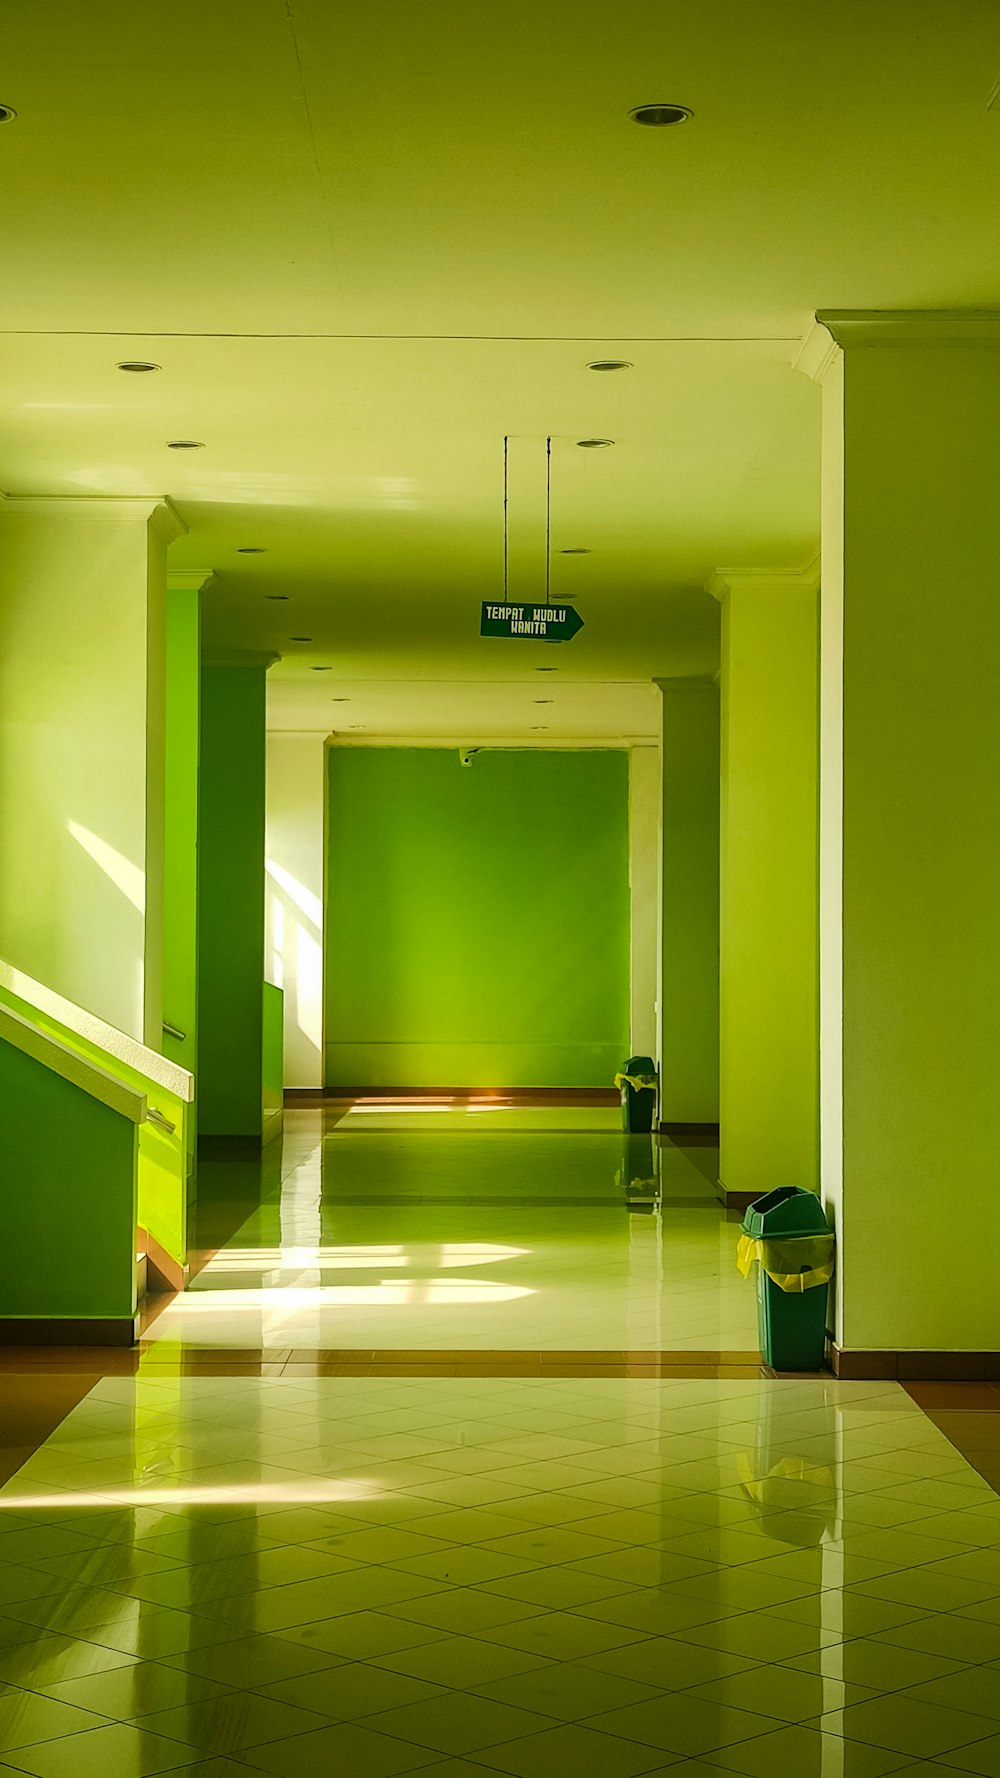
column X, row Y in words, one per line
column 610, row 364
column 660, row 117
column 251, row 549
column 278, row 597
column 185, row 444
column 322, row 669
column 574, row 552
column 300, row 638
column 137, row 366
column 7, row 113
column 594, row 444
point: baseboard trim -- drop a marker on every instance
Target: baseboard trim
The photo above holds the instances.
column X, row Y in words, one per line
column 735, row 1200
column 695, row 1135
column 856, row 1366
column 525, row 1096
column 274, row 1123
column 43, row 1330
column 229, row 1148
column 163, row 1271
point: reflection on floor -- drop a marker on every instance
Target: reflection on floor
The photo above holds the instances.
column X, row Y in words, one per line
column 228, row 1576
column 470, row 1229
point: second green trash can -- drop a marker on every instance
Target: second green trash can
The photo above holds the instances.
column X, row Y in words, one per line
column 638, row 1088
column 787, row 1237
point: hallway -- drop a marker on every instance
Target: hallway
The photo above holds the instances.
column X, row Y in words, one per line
column 499, row 636
column 472, row 1228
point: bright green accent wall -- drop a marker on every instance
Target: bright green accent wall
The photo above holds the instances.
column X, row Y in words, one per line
column 273, row 1062
column 162, row 1154
column 769, row 1034
column 180, row 922
column 689, row 952
column 477, row 918
column 912, row 516
column 69, row 1211
column 231, row 898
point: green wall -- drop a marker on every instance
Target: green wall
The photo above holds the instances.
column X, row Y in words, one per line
column 180, row 850
column 769, row 1095
column 69, row 1212
column 689, row 960
column 273, row 1065
column 477, row 918
column 231, row 898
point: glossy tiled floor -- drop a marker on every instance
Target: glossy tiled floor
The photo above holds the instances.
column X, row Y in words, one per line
column 231, row 1575
column 472, row 1229
column 224, row 1575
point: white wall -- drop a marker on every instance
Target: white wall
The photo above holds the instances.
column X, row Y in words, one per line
column 81, row 751
column 831, row 825
column 293, row 952
column 910, row 789
column 644, row 884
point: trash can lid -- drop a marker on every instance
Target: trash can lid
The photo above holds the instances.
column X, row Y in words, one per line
column 790, row 1210
column 640, row 1065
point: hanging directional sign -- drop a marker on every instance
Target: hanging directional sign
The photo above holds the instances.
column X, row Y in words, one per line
column 539, row 623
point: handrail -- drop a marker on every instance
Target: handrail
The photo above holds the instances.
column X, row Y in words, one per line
column 124, row 1049
column 157, row 1117
column 71, row 1066
column 172, row 1031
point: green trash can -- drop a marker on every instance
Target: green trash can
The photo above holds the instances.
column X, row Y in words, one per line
column 638, row 1089
column 786, row 1237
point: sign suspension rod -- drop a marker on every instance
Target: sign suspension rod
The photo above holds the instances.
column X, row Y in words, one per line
column 506, row 569
column 548, row 521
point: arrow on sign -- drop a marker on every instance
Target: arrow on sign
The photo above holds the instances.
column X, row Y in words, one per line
column 538, row 623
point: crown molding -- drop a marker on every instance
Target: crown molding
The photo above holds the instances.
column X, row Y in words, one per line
column 911, row 327
column 462, row 743
column 166, row 521
column 684, row 680
column 154, row 509
column 298, row 734
column 793, row 580
column 818, row 351
column 189, row 580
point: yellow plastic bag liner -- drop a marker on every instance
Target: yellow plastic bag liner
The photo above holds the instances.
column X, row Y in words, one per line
column 638, row 1081
column 797, row 1263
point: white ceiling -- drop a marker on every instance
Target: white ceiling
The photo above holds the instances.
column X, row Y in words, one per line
column 364, row 243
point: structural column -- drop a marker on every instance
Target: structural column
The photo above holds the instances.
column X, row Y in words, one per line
column 82, row 585
column 231, row 899
column 769, row 1086
column 689, row 929
column 644, row 814
column 180, row 862
column 910, row 813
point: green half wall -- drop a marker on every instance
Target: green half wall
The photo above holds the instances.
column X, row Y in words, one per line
column 477, row 918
